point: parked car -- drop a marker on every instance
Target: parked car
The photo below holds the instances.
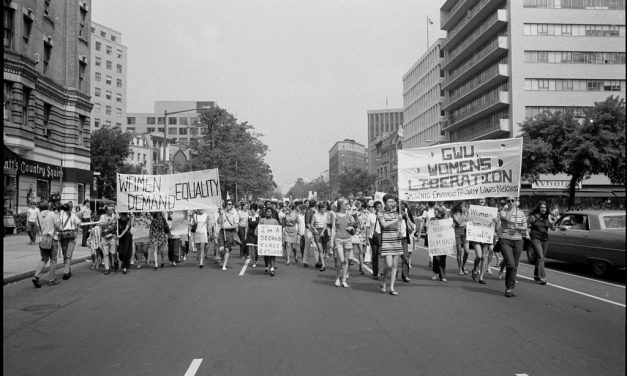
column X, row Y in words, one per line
column 593, row 237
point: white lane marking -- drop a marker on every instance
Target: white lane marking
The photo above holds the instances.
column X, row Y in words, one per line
column 244, row 267
column 363, row 266
column 588, row 279
column 521, row 374
column 193, row 368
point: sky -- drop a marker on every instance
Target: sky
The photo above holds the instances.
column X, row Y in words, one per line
column 304, row 73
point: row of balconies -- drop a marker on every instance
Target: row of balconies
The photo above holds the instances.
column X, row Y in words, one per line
column 499, row 75
column 498, row 102
column 473, row 17
column 495, row 131
column 479, row 36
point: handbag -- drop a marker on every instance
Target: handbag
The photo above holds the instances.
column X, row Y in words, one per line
column 45, row 243
column 194, row 225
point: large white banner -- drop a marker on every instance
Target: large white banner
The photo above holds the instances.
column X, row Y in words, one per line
column 269, row 240
column 460, row 171
column 184, row 191
column 480, row 224
column 441, row 237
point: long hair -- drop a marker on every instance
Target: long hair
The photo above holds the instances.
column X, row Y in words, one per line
column 536, row 210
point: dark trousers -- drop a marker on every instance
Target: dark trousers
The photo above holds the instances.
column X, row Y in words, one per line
column 439, row 265
column 85, row 230
column 125, row 250
column 511, row 250
column 174, row 250
column 375, row 249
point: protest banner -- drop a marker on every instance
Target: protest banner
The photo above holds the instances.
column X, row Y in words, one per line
column 441, row 237
column 184, row 191
column 480, row 224
column 269, row 240
column 460, row 171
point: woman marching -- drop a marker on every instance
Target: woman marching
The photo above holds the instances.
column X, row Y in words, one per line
column 269, row 219
column 199, row 234
column 439, row 262
column 125, row 239
column 342, row 230
column 158, row 237
column 318, row 227
column 539, row 223
column 513, row 226
column 391, row 248
column 251, row 238
column 459, row 213
column 481, row 255
column 290, row 229
column 360, row 238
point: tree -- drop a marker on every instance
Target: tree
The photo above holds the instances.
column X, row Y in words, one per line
column 352, row 181
column 109, row 150
column 134, row 169
column 236, row 151
column 556, row 143
column 299, row 190
column 302, row 189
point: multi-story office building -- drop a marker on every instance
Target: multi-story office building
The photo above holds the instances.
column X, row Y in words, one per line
column 108, row 77
column 506, row 61
column 46, row 102
column 423, row 120
column 381, row 123
column 182, row 126
column 345, row 155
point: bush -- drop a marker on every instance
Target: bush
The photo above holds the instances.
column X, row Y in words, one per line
column 20, row 222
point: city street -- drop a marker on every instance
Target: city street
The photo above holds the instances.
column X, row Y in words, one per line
column 189, row 321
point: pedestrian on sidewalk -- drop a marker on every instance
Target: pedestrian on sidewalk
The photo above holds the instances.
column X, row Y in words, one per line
column 68, row 231
column 31, row 223
column 85, row 215
column 47, row 222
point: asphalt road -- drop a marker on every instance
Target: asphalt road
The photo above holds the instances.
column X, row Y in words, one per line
column 191, row 321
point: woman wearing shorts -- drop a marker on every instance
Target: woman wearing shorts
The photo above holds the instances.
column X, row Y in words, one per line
column 459, row 213
column 481, row 255
column 341, row 230
column 251, row 238
column 319, row 225
column 391, row 248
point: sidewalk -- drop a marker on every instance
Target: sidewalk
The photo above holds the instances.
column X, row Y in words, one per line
column 20, row 259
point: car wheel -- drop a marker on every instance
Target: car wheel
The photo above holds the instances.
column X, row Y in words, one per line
column 600, row 267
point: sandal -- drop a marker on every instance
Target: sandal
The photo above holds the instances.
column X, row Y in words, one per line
column 393, row 292
column 382, row 288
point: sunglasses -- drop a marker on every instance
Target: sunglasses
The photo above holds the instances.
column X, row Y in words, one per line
column 513, row 200
column 228, row 204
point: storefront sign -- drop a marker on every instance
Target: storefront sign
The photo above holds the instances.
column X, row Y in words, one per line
column 553, row 184
column 31, row 168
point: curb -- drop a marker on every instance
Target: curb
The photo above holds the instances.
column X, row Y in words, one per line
column 29, row 274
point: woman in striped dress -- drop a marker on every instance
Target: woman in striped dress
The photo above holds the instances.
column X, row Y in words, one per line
column 391, row 247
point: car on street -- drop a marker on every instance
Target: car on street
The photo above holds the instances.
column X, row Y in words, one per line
column 592, row 237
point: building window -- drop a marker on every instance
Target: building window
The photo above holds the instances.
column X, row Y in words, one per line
column 130, row 129
column 109, row 50
column 25, row 99
column 109, row 65
column 43, row 189
column 108, row 94
column 9, row 26
column 96, row 123
column 171, row 130
column 114, row 38
column 82, row 32
column 28, row 26
column 118, row 53
column 193, row 131
column 98, row 60
column 96, row 108
column 150, row 120
column 118, row 112
column 118, row 97
column 108, row 110
column 103, row 34
column 150, row 129
column 8, row 89
column 47, row 55
column 183, row 121
column 130, row 120
column 183, row 131
column 119, row 68
column 98, row 77
column 47, row 112
column 97, row 92
column 160, row 120
column 108, row 80
column 171, row 121
column 98, row 46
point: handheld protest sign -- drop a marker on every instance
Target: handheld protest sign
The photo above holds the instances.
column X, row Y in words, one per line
column 441, row 237
column 269, row 240
column 480, row 224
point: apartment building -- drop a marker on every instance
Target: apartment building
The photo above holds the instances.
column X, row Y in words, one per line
column 108, row 77
column 423, row 119
column 344, row 155
column 505, row 61
column 46, row 79
column 380, row 124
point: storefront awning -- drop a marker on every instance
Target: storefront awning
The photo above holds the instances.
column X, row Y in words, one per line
column 596, row 194
column 619, row 193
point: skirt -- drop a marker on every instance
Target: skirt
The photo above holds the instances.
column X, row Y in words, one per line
column 391, row 244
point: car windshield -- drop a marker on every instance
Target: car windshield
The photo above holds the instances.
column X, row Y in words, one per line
column 614, row 221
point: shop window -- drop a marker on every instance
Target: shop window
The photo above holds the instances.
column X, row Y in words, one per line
column 43, row 189
column 81, row 193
